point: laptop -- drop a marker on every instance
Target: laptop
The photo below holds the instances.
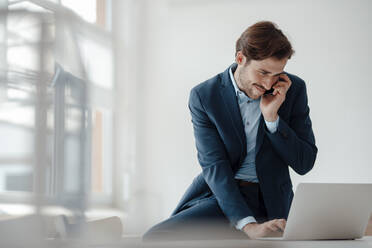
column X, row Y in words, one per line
column 326, row 211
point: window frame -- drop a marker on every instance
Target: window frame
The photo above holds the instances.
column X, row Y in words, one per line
column 102, row 97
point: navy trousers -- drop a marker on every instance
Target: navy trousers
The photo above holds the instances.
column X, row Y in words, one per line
column 204, row 220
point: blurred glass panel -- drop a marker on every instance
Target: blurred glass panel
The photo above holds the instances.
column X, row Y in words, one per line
column 23, row 56
column 16, row 178
column 46, row 122
column 15, row 4
column 29, row 41
column 73, row 153
column 87, row 9
column 25, row 29
column 98, row 62
column 97, row 151
column 16, row 130
column 17, row 95
column 73, row 120
column 32, row 132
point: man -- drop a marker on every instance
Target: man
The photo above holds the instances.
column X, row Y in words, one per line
column 246, row 142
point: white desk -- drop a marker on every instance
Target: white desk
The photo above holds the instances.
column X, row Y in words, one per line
column 136, row 242
column 361, row 243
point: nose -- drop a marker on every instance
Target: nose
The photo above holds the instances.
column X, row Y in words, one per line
column 268, row 82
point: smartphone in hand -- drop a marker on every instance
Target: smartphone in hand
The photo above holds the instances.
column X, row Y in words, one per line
column 270, row 91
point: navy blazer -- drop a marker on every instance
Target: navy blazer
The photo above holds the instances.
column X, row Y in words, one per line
column 221, row 146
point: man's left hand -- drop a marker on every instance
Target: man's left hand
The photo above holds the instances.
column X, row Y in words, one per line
column 270, row 104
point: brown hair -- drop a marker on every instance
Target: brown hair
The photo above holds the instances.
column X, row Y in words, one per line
column 264, row 40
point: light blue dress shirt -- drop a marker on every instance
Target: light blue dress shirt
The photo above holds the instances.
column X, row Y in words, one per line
column 251, row 113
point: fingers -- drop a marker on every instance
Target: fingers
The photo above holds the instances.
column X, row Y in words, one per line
column 277, row 225
column 281, row 224
column 284, row 77
column 287, row 81
column 281, row 84
column 278, row 90
column 281, row 88
column 272, row 228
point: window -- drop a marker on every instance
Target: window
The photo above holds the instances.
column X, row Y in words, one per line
column 19, row 98
column 87, row 9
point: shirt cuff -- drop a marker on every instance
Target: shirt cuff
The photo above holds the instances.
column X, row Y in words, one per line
column 241, row 223
column 272, row 126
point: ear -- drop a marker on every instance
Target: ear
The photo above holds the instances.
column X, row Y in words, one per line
column 240, row 58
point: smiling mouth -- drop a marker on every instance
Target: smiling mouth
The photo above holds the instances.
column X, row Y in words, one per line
column 260, row 88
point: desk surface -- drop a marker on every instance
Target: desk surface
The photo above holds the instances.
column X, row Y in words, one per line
column 360, row 243
column 135, row 242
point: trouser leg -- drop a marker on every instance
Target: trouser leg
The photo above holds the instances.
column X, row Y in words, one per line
column 204, row 220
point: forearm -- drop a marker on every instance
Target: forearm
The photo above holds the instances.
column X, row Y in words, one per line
column 299, row 153
column 220, row 180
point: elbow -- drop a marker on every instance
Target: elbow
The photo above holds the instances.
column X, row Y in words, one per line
column 304, row 169
column 307, row 163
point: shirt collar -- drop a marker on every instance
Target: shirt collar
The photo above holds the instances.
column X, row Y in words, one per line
column 240, row 94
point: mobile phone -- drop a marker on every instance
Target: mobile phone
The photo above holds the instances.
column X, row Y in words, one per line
column 270, row 91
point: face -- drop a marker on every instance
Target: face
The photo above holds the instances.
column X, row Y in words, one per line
column 257, row 76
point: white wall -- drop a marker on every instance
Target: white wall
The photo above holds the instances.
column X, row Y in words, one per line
column 184, row 42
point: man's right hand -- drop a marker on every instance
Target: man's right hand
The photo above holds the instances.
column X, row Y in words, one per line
column 272, row 228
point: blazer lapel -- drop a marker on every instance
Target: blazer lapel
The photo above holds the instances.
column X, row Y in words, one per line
column 260, row 135
column 230, row 99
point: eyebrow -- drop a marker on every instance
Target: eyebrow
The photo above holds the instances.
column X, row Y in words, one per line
column 270, row 72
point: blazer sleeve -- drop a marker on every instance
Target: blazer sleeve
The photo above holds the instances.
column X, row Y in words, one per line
column 294, row 141
column 216, row 167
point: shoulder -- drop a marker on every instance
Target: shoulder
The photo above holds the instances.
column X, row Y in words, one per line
column 297, row 89
column 208, row 88
column 296, row 97
column 298, row 84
